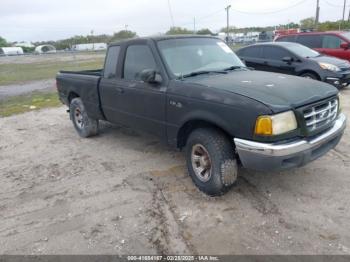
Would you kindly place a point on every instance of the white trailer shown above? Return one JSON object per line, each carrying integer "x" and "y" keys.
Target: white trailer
{"x": 11, "y": 51}
{"x": 90, "y": 47}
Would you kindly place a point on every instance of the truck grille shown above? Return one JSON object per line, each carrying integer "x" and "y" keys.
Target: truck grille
{"x": 320, "y": 115}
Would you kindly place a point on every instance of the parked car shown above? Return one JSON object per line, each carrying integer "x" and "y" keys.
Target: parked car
{"x": 296, "y": 59}
{"x": 334, "y": 43}
{"x": 195, "y": 94}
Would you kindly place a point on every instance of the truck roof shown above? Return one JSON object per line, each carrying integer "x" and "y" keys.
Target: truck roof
{"x": 162, "y": 37}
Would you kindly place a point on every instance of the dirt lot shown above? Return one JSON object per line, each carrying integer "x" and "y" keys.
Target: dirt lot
{"x": 124, "y": 193}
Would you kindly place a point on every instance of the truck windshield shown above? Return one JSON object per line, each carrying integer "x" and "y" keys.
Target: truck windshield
{"x": 185, "y": 56}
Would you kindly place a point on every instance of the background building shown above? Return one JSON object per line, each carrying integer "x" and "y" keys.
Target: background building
{"x": 11, "y": 51}
{"x": 90, "y": 47}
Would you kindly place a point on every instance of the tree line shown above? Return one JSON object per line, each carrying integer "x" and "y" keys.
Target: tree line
{"x": 64, "y": 44}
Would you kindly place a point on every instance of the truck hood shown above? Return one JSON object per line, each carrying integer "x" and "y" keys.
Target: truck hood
{"x": 278, "y": 91}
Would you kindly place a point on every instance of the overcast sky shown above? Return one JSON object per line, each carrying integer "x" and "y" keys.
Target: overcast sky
{"x": 34, "y": 20}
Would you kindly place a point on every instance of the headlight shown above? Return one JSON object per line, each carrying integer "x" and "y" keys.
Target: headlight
{"x": 276, "y": 124}
{"x": 329, "y": 67}
{"x": 340, "y": 102}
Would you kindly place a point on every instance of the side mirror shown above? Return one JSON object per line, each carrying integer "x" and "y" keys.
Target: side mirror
{"x": 344, "y": 46}
{"x": 287, "y": 59}
{"x": 150, "y": 76}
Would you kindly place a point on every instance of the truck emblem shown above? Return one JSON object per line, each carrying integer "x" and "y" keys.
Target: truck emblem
{"x": 324, "y": 114}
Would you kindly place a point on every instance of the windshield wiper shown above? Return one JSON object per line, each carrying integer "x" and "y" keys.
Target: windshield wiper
{"x": 202, "y": 72}
{"x": 232, "y": 68}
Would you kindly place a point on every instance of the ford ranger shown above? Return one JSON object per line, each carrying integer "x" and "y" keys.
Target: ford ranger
{"x": 195, "y": 94}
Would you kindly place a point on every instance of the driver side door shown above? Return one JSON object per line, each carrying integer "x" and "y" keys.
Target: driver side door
{"x": 138, "y": 104}
{"x": 273, "y": 60}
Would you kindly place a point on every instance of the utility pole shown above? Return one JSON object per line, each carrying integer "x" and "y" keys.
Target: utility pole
{"x": 194, "y": 25}
{"x": 92, "y": 35}
{"x": 340, "y": 24}
{"x": 317, "y": 14}
{"x": 228, "y": 22}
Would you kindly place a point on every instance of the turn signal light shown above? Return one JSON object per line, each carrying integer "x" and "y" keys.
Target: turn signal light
{"x": 263, "y": 126}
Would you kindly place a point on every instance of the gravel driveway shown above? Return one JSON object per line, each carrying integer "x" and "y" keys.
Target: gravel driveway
{"x": 124, "y": 193}
{"x": 26, "y": 88}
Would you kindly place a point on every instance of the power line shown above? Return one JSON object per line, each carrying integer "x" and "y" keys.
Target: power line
{"x": 334, "y": 5}
{"x": 270, "y": 12}
{"x": 210, "y": 15}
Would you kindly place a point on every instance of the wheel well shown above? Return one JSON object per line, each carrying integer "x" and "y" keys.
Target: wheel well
{"x": 71, "y": 96}
{"x": 189, "y": 126}
{"x": 310, "y": 72}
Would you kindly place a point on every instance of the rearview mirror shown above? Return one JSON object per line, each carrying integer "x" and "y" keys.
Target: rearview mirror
{"x": 344, "y": 45}
{"x": 287, "y": 59}
{"x": 150, "y": 76}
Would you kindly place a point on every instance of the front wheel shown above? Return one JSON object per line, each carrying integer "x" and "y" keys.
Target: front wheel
{"x": 211, "y": 161}
{"x": 83, "y": 124}
{"x": 309, "y": 75}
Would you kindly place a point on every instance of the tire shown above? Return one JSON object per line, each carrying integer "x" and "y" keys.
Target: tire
{"x": 83, "y": 124}
{"x": 223, "y": 170}
{"x": 310, "y": 75}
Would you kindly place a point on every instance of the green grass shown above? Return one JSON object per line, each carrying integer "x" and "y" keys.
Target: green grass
{"x": 19, "y": 73}
{"x": 236, "y": 47}
{"x": 26, "y": 103}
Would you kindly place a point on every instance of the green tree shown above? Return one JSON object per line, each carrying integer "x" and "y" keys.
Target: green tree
{"x": 3, "y": 42}
{"x": 178, "y": 31}
{"x": 334, "y": 25}
{"x": 204, "y": 31}
{"x": 307, "y": 23}
{"x": 123, "y": 34}
{"x": 28, "y": 49}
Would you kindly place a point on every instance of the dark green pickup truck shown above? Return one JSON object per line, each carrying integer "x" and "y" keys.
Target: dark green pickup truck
{"x": 195, "y": 93}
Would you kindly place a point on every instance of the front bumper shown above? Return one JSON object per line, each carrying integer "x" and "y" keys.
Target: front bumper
{"x": 279, "y": 156}
{"x": 339, "y": 80}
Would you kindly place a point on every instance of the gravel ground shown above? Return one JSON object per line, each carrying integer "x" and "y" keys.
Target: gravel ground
{"x": 124, "y": 193}
{"x": 26, "y": 88}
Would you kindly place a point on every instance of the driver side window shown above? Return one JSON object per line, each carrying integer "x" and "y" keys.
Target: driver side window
{"x": 137, "y": 59}
{"x": 275, "y": 53}
{"x": 330, "y": 41}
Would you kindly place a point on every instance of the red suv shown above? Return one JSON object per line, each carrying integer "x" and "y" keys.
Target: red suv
{"x": 336, "y": 43}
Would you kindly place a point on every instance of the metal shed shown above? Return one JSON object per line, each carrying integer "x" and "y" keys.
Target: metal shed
{"x": 11, "y": 51}
{"x": 45, "y": 49}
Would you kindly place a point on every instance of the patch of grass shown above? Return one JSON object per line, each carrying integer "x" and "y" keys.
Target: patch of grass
{"x": 236, "y": 47}
{"x": 26, "y": 103}
{"x": 18, "y": 73}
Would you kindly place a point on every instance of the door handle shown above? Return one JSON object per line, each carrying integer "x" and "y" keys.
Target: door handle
{"x": 120, "y": 90}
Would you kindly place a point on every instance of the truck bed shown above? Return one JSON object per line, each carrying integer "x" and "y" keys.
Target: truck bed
{"x": 97, "y": 72}
{"x": 83, "y": 84}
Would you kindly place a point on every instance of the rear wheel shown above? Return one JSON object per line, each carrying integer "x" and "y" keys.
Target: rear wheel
{"x": 210, "y": 161}
{"x": 83, "y": 124}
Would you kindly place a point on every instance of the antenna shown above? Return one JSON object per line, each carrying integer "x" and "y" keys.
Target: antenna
{"x": 171, "y": 14}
